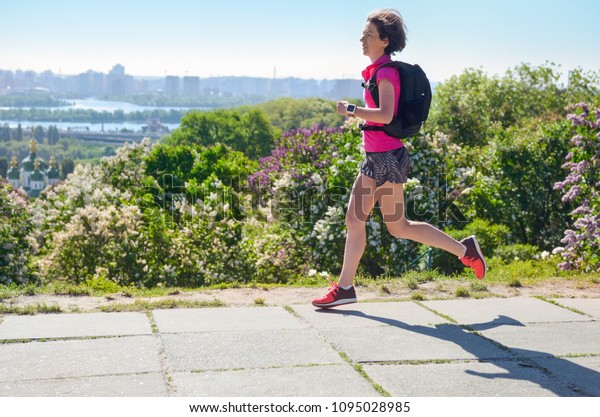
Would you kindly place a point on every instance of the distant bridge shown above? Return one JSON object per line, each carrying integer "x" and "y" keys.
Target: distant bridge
{"x": 108, "y": 137}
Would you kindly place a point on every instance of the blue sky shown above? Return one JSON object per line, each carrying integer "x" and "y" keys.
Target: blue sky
{"x": 301, "y": 38}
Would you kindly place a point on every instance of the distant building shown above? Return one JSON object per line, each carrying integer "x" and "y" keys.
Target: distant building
{"x": 172, "y": 85}
{"x": 117, "y": 83}
{"x": 35, "y": 175}
{"x": 346, "y": 89}
{"x": 191, "y": 86}
{"x": 90, "y": 83}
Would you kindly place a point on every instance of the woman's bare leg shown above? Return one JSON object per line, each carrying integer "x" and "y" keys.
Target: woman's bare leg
{"x": 362, "y": 201}
{"x": 391, "y": 202}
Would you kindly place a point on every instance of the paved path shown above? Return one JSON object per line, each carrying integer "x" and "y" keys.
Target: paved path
{"x": 489, "y": 347}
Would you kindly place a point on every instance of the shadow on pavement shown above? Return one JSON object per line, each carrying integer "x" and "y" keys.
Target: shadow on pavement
{"x": 566, "y": 375}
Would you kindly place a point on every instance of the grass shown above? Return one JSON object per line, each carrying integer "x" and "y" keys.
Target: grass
{"x": 517, "y": 274}
{"x": 478, "y": 286}
{"x": 417, "y": 296}
{"x": 462, "y": 292}
{"x": 358, "y": 368}
{"x": 412, "y": 283}
{"x": 30, "y": 309}
{"x": 144, "y": 305}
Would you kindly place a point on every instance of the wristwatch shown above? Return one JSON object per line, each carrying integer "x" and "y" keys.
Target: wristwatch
{"x": 350, "y": 109}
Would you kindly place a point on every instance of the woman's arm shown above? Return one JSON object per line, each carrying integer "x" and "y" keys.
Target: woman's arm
{"x": 384, "y": 114}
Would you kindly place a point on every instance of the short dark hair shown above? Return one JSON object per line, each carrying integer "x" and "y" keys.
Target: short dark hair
{"x": 391, "y": 26}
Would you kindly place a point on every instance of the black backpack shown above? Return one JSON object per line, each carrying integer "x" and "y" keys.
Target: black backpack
{"x": 413, "y": 104}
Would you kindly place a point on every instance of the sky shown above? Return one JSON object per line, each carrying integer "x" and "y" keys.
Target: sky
{"x": 316, "y": 39}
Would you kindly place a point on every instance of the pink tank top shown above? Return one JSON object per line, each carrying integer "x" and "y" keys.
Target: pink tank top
{"x": 378, "y": 141}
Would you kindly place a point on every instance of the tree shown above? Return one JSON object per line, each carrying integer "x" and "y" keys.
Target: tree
{"x": 3, "y": 167}
{"x": 246, "y": 130}
{"x": 19, "y": 133}
{"x": 53, "y": 135}
{"x": 5, "y": 133}
{"x": 38, "y": 134}
{"x": 472, "y": 106}
{"x": 191, "y": 170}
{"x": 67, "y": 167}
{"x": 513, "y": 183}
{"x": 287, "y": 113}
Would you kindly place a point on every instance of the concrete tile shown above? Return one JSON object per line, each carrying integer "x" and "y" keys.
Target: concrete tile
{"x": 247, "y": 349}
{"x": 465, "y": 379}
{"x": 135, "y": 385}
{"x": 368, "y": 315}
{"x": 78, "y": 358}
{"x": 380, "y": 344}
{"x": 589, "y": 306}
{"x": 580, "y": 373}
{"x": 313, "y": 381}
{"x": 547, "y": 339}
{"x": 43, "y": 326}
{"x": 516, "y": 311}
{"x": 225, "y": 319}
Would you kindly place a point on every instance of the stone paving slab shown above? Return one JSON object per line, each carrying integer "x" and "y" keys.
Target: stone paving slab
{"x": 247, "y": 349}
{"x": 79, "y": 358}
{"x": 583, "y": 372}
{"x": 516, "y": 311}
{"x": 136, "y": 385}
{"x": 589, "y": 306}
{"x": 466, "y": 379}
{"x": 312, "y": 381}
{"x": 546, "y": 339}
{"x": 268, "y": 351}
{"x": 388, "y": 344}
{"x": 225, "y": 319}
{"x": 368, "y": 315}
{"x": 74, "y": 325}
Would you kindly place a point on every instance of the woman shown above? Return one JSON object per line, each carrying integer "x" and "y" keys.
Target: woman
{"x": 385, "y": 167}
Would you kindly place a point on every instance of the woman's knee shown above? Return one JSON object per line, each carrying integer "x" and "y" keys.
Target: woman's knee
{"x": 399, "y": 228}
{"x": 354, "y": 221}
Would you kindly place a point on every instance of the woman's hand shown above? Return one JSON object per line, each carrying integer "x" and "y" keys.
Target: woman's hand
{"x": 341, "y": 108}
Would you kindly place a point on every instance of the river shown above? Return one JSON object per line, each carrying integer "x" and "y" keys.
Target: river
{"x": 96, "y": 105}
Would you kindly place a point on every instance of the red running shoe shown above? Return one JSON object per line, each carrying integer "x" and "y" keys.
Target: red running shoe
{"x": 473, "y": 257}
{"x": 335, "y": 297}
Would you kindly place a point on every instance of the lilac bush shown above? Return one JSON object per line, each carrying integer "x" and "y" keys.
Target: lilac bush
{"x": 305, "y": 187}
{"x": 89, "y": 226}
{"x": 102, "y": 224}
{"x": 16, "y": 245}
{"x": 581, "y": 187}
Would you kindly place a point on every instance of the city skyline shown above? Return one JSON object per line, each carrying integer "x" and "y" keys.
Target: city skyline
{"x": 117, "y": 82}
{"x": 312, "y": 39}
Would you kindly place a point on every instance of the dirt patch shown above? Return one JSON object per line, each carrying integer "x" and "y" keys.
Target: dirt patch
{"x": 281, "y": 296}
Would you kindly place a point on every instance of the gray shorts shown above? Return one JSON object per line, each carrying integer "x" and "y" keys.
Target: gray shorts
{"x": 392, "y": 166}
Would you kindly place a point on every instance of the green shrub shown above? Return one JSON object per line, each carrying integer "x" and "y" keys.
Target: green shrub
{"x": 16, "y": 243}
{"x": 516, "y": 252}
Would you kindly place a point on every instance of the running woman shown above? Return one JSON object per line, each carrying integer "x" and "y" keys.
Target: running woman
{"x": 385, "y": 167}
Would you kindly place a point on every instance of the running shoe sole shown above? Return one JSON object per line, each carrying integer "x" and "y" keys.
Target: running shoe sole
{"x": 336, "y": 303}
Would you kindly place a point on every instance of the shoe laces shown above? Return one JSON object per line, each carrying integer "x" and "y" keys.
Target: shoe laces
{"x": 333, "y": 286}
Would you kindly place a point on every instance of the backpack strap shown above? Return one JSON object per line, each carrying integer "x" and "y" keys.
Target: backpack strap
{"x": 372, "y": 84}
{"x": 374, "y": 89}
{"x": 363, "y": 126}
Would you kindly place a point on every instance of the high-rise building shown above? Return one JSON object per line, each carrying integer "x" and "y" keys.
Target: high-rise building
{"x": 90, "y": 83}
{"x": 116, "y": 81}
{"x": 172, "y": 85}
{"x": 191, "y": 86}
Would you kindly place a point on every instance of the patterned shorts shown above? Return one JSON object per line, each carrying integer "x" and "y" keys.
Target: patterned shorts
{"x": 392, "y": 166}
